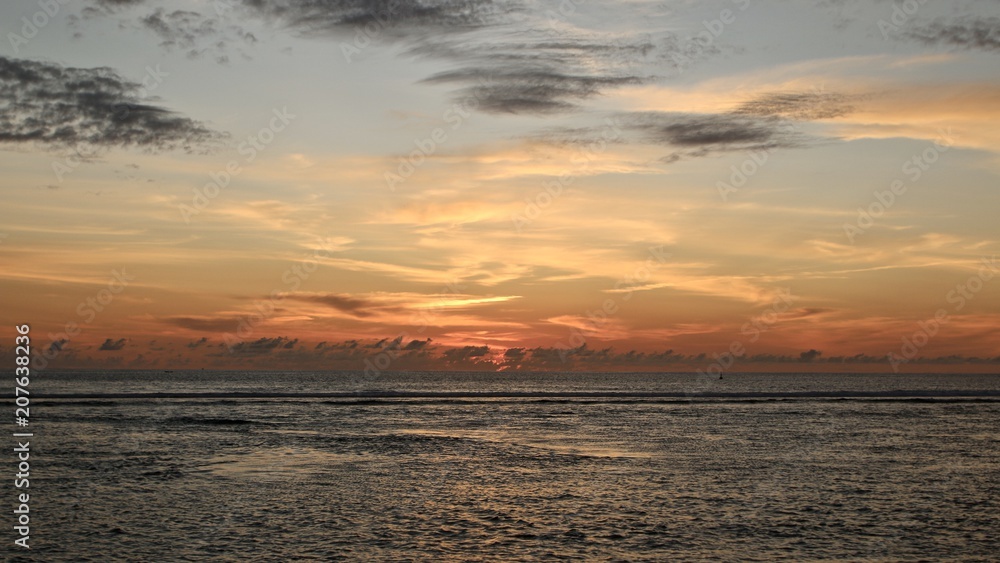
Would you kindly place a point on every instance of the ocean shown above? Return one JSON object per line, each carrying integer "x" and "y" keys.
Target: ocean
{"x": 273, "y": 466}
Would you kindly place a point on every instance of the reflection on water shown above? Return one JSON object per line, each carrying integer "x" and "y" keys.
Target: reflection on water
{"x": 568, "y": 444}
{"x": 275, "y": 463}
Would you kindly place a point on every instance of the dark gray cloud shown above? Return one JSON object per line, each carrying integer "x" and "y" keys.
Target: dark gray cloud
{"x": 465, "y": 353}
{"x": 313, "y": 17}
{"x": 809, "y": 355}
{"x": 513, "y": 354}
{"x": 691, "y": 134}
{"x": 177, "y": 28}
{"x": 968, "y": 33}
{"x": 352, "y": 305}
{"x": 263, "y": 346}
{"x": 282, "y": 352}
{"x": 539, "y": 67}
{"x": 111, "y": 5}
{"x": 345, "y": 345}
{"x": 417, "y": 344}
{"x": 532, "y": 72}
{"x": 768, "y": 122}
{"x": 58, "y": 106}
{"x": 194, "y": 33}
{"x": 716, "y": 131}
{"x": 375, "y": 19}
{"x": 112, "y": 345}
{"x": 526, "y": 89}
{"x": 540, "y": 71}
{"x": 542, "y": 47}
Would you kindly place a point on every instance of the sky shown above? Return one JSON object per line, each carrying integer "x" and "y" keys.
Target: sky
{"x": 722, "y": 185}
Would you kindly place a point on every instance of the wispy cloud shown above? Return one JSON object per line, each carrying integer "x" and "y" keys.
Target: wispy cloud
{"x": 694, "y": 134}
{"x": 718, "y": 132}
{"x": 194, "y": 33}
{"x": 549, "y": 65}
{"x": 806, "y": 106}
{"x": 966, "y": 33}
{"x": 539, "y": 72}
{"x": 204, "y": 323}
{"x": 516, "y": 88}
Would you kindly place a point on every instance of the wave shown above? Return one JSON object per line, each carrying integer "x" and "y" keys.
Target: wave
{"x": 929, "y": 394}
{"x": 213, "y": 421}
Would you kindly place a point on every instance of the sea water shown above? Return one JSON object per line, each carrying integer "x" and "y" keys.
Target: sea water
{"x": 254, "y": 466}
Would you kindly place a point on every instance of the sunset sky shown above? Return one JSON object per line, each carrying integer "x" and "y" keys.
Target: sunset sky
{"x": 476, "y": 184}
